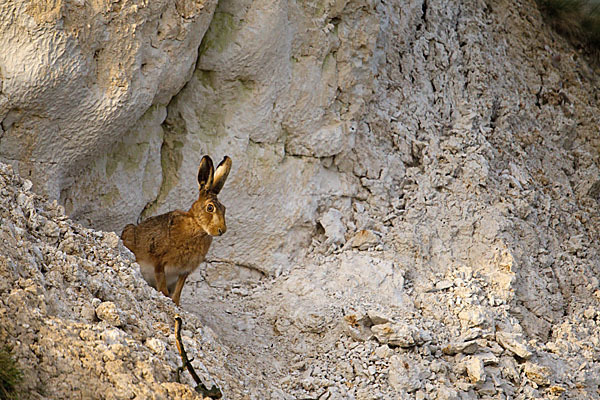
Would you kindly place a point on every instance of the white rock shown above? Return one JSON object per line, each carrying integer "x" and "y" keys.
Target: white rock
{"x": 442, "y": 285}
{"x": 404, "y": 376}
{"x": 402, "y": 335}
{"x": 589, "y": 313}
{"x": 510, "y": 368}
{"x": 377, "y": 318}
{"x": 335, "y": 229}
{"x": 356, "y": 328}
{"x": 111, "y": 240}
{"x": 488, "y": 358}
{"x": 472, "y": 317}
{"x": 87, "y": 104}
{"x": 487, "y": 389}
{"x": 447, "y": 393}
{"x": 514, "y": 343}
{"x": 383, "y": 351}
{"x": 113, "y": 336}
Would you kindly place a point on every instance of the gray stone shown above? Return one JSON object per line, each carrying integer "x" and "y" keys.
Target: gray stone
{"x": 403, "y": 376}
{"x": 335, "y": 229}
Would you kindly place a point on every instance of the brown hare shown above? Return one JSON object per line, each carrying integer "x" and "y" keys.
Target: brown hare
{"x": 171, "y": 246}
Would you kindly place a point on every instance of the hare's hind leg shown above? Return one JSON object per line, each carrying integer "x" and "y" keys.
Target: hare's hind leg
{"x": 161, "y": 281}
{"x": 179, "y": 287}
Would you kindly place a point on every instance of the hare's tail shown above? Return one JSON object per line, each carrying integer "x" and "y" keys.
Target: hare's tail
{"x": 128, "y": 236}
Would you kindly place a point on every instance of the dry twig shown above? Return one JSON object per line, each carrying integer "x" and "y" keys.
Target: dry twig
{"x": 214, "y": 392}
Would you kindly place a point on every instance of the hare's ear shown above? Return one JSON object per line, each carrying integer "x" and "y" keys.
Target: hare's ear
{"x": 221, "y": 174}
{"x": 205, "y": 173}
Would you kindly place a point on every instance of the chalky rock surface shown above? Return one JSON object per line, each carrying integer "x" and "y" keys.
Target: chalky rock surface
{"x": 80, "y": 319}
{"x": 348, "y": 324}
{"x": 413, "y": 210}
{"x": 76, "y": 75}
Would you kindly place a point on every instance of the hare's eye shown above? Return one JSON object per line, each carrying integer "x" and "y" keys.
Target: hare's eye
{"x": 210, "y": 208}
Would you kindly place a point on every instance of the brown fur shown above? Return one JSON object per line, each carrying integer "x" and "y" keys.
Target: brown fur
{"x": 173, "y": 245}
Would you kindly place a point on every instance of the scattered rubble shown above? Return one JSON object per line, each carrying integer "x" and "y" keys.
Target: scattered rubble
{"x": 78, "y": 316}
{"x": 457, "y": 257}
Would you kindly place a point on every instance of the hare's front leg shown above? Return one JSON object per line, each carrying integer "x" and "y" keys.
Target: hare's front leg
{"x": 177, "y": 292}
{"x": 161, "y": 281}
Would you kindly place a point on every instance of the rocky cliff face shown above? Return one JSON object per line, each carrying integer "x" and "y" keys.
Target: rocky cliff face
{"x": 412, "y": 208}
{"x": 76, "y": 76}
{"x": 78, "y": 315}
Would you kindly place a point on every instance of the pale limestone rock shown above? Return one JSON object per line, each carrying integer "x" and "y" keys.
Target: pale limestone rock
{"x": 510, "y": 368}
{"x": 377, "y": 318}
{"x": 325, "y": 142}
{"x": 539, "y": 374}
{"x": 107, "y": 311}
{"x": 50, "y": 228}
{"x": 108, "y": 65}
{"x": 483, "y": 175}
{"x": 268, "y": 103}
{"x": 589, "y": 313}
{"x": 397, "y": 335}
{"x": 283, "y": 99}
{"x": 124, "y": 180}
{"x": 384, "y": 351}
{"x": 364, "y": 239}
{"x": 69, "y": 245}
{"x": 487, "y": 389}
{"x": 404, "y": 376}
{"x": 488, "y": 358}
{"x": 472, "y": 317}
{"x": 335, "y": 229}
{"x": 359, "y": 274}
{"x": 356, "y": 328}
{"x": 111, "y": 240}
{"x": 88, "y": 313}
{"x": 556, "y": 390}
{"x": 514, "y": 343}
{"x": 157, "y": 346}
{"x": 475, "y": 370}
{"x": 443, "y": 285}
{"x": 113, "y": 336}
{"x": 53, "y": 312}
{"x": 447, "y": 393}
{"x": 311, "y": 320}
{"x": 468, "y": 347}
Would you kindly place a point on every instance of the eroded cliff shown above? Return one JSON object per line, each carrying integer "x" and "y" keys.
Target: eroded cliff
{"x": 412, "y": 209}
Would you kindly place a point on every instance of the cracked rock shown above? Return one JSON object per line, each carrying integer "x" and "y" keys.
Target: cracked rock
{"x": 398, "y": 334}
{"x": 513, "y": 343}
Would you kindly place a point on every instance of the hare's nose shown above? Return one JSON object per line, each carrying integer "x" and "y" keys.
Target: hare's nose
{"x": 221, "y": 231}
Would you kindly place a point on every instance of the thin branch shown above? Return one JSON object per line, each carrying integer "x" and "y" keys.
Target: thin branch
{"x": 214, "y": 392}
{"x": 251, "y": 266}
